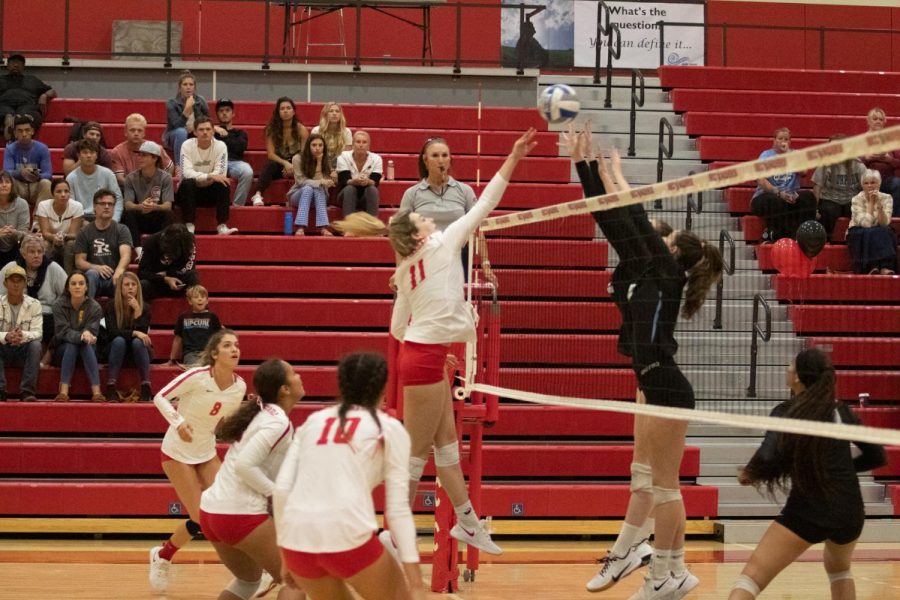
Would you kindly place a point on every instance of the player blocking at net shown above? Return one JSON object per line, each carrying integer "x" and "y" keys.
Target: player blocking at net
{"x": 429, "y": 314}
{"x": 647, "y": 287}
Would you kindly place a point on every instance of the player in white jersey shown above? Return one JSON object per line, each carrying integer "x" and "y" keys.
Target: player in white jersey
{"x": 430, "y": 313}
{"x": 234, "y": 512}
{"x": 324, "y": 513}
{"x": 206, "y": 395}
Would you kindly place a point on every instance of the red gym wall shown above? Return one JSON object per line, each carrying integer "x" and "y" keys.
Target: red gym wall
{"x": 238, "y": 27}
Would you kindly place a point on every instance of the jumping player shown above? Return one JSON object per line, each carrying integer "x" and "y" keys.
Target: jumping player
{"x": 647, "y": 287}
{"x": 429, "y": 314}
{"x": 234, "y": 510}
{"x": 824, "y": 502}
{"x": 324, "y": 513}
{"x": 206, "y": 395}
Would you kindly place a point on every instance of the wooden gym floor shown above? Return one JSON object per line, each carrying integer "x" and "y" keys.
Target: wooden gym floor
{"x": 105, "y": 569}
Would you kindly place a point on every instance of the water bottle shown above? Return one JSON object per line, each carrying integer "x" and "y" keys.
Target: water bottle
{"x": 288, "y": 223}
{"x": 390, "y": 170}
{"x": 863, "y": 399}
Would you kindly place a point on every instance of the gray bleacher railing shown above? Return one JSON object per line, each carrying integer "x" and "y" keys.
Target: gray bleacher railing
{"x": 610, "y": 30}
{"x": 693, "y": 205}
{"x": 757, "y": 334}
{"x": 725, "y": 236}
{"x": 636, "y": 102}
{"x": 664, "y": 150}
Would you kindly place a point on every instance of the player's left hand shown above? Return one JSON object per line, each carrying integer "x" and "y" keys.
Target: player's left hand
{"x": 524, "y": 144}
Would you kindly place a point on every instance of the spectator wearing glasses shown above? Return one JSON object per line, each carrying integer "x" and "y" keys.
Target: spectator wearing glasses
{"x": 103, "y": 248}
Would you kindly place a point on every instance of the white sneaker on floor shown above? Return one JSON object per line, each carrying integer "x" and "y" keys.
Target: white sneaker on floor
{"x": 266, "y": 585}
{"x": 159, "y": 570}
{"x": 670, "y": 588}
{"x": 645, "y": 551}
{"x": 388, "y": 542}
{"x": 224, "y": 229}
{"x": 478, "y": 537}
{"x": 616, "y": 568}
{"x": 257, "y": 199}
{"x": 190, "y": 227}
{"x": 683, "y": 584}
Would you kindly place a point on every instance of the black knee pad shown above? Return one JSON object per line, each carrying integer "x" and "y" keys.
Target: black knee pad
{"x": 193, "y": 528}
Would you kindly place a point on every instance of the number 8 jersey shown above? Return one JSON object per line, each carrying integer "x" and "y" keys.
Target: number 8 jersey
{"x": 431, "y": 307}
{"x": 201, "y": 404}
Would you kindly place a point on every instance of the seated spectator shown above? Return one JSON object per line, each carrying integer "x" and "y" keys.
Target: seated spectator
{"x": 888, "y": 163}
{"x": 60, "y": 219}
{"x": 91, "y": 130}
{"x": 285, "y": 137}
{"x": 21, "y": 324}
{"x": 126, "y": 156}
{"x": 333, "y": 128}
{"x": 871, "y": 241}
{"x": 45, "y": 279}
{"x": 236, "y": 141}
{"x": 149, "y": 196}
{"x": 103, "y": 248}
{"x": 127, "y": 321}
{"x": 193, "y": 329}
{"x": 28, "y": 160}
{"x": 14, "y": 219}
{"x": 834, "y": 187}
{"x": 90, "y": 177}
{"x": 204, "y": 164}
{"x": 76, "y": 323}
{"x": 359, "y": 174}
{"x": 438, "y": 195}
{"x": 779, "y": 199}
{"x": 167, "y": 266}
{"x": 311, "y": 183}
{"x": 182, "y": 113}
{"x": 22, "y": 94}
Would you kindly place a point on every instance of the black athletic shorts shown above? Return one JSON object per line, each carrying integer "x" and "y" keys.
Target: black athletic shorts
{"x": 840, "y": 533}
{"x": 663, "y": 384}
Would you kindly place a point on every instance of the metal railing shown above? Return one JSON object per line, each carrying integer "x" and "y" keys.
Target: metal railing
{"x": 757, "y": 334}
{"x": 610, "y": 30}
{"x": 663, "y": 150}
{"x": 636, "y": 102}
{"x": 725, "y": 236}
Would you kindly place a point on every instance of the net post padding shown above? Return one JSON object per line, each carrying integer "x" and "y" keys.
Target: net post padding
{"x": 798, "y": 160}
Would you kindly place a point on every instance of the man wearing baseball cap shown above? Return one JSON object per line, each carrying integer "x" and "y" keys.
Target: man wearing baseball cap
{"x": 149, "y": 195}
{"x": 21, "y": 323}
{"x": 236, "y": 141}
{"x": 22, "y": 94}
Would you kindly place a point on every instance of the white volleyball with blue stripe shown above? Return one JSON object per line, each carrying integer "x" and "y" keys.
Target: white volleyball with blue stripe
{"x": 558, "y": 103}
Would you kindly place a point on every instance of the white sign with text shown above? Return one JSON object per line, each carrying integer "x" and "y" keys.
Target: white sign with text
{"x": 637, "y": 22}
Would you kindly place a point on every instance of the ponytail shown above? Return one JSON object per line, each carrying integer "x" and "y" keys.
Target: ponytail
{"x": 267, "y": 381}
{"x": 704, "y": 268}
{"x": 361, "y": 379}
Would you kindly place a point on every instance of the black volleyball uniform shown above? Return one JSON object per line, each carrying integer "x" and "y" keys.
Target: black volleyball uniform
{"x": 837, "y": 515}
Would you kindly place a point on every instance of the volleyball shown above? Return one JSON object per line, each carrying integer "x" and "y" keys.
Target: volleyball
{"x": 558, "y": 103}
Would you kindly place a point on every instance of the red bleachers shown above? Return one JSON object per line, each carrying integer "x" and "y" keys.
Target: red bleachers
{"x": 839, "y": 288}
{"x": 892, "y": 468}
{"x": 801, "y": 80}
{"x": 787, "y": 102}
{"x": 743, "y": 148}
{"x": 879, "y": 416}
{"x": 834, "y": 257}
{"x": 862, "y": 351}
{"x": 764, "y": 125}
{"x": 846, "y": 319}
{"x": 753, "y": 226}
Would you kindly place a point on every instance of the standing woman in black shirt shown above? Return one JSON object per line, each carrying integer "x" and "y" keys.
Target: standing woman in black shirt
{"x": 824, "y": 503}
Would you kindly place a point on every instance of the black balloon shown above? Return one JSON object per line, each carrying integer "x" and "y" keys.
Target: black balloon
{"x": 811, "y": 238}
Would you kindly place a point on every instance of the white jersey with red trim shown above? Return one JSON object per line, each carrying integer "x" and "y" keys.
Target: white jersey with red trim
{"x": 323, "y": 494}
{"x": 201, "y": 404}
{"x": 247, "y": 477}
{"x": 431, "y": 307}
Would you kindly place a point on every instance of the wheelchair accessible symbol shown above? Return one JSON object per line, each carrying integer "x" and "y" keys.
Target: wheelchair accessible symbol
{"x": 518, "y": 509}
{"x": 174, "y": 508}
{"x": 428, "y": 499}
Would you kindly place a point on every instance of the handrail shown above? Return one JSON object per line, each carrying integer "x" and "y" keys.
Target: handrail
{"x": 724, "y": 236}
{"x": 757, "y": 332}
{"x": 635, "y": 102}
{"x": 663, "y": 150}
{"x": 602, "y": 9}
{"x": 610, "y": 53}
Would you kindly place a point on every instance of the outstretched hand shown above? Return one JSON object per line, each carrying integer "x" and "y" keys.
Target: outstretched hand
{"x": 572, "y": 142}
{"x": 524, "y": 144}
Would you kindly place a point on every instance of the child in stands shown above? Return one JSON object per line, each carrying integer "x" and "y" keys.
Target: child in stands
{"x": 193, "y": 329}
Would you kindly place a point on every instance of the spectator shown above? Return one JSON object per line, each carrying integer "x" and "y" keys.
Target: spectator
{"x": 167, "y": 267}
{"x": 193, "y": 329}
{"x": 834, "y": 187}
{"x": 779, "y": 199}
{"x": 127, "y": 155}
{"x": 14, "y": 219}
{"x": 285, "y": 137}
{"x": 76, "y": 323}
{"x": 29, "y": 162}
{"x": 127, "y": 321}
{"x": 90, "y": 177}
{"x": 236, "y": 141}
{"x": 22, "y": 94}
{"x": 438, "y": 195}
{"x": 872, "y": 243}
{"x": 311, "y": 183}
{"x": 888, "y": 163}
{"x": 103, "y": 248}
{"x": 91, "y": 130}
{"x": 149, "y": 196}
{"x": 182, "y": 113}
{"x": 333, "y": 128}
{"x": 21, "y": 323}
{"x": 45, "y": 280}
{"x": 359, "y": 174}
{"x": 204, "y": 164}
{"x": 60, "y": 219}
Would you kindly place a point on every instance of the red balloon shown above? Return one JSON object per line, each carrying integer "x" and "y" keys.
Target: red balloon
{"x": 789, "y": 259}
{"x": 781, "y": 252}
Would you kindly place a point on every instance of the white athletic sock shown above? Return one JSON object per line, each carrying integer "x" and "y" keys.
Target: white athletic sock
{"x": 659, "y": 564}
{"x": 628, "y": 536}
{"x": 466, "y": 515}
{"x": 645, "y": 531}
{"x": 676, "y": 561}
